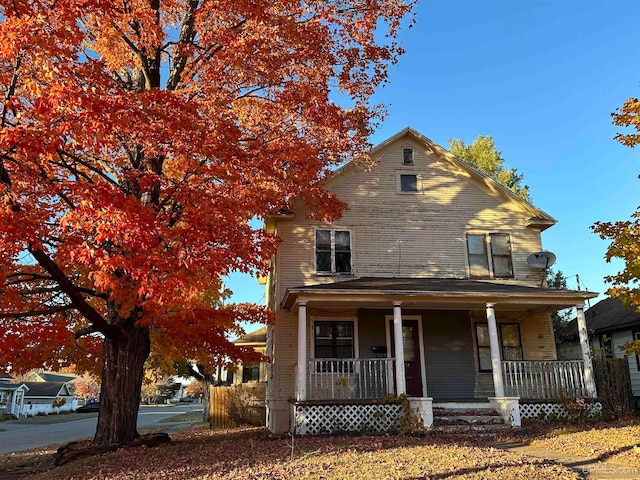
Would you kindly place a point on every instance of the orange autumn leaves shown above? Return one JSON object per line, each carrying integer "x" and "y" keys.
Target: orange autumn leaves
{"x": 138, "y": 140}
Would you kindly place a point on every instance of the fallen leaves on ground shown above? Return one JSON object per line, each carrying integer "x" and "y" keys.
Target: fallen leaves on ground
{"x": 246, "y": 454}
{"x": 617, "y": 444}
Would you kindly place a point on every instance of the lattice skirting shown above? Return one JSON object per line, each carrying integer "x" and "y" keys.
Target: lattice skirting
{"x": 558, "y": 410}
{"x": 318, "y": 419}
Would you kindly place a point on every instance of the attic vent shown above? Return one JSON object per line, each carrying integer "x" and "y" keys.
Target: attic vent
{"x": 407, "y": 156}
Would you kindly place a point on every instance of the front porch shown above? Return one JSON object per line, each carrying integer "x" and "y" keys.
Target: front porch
{"x": 499, "y": 354}
{"x": 359, "y": 395}
{"x": 331, "y": 379}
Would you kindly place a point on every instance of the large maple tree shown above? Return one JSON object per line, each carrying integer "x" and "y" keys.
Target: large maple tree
{"x": 138, "y": 138}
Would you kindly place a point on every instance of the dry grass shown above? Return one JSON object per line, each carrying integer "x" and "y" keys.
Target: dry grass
{"x": 618, "y": 443}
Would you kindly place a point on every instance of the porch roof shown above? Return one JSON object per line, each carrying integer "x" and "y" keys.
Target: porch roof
{"x": 435, "y": 293}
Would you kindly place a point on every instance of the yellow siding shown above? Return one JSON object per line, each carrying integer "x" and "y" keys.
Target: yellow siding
{"x": 410, "y": 235}
{"x": 537, "y": 338}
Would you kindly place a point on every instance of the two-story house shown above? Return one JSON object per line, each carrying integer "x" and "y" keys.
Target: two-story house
{"x": 422, "y": 288}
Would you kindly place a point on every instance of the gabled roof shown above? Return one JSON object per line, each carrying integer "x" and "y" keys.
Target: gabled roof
{"x": 539, "y": 219}
{"x": 257, "y": 337}
{"x": 6, "y": 386}
{"x": 607, "y": 315}
{"x": 46, "y": 389}
{"x": 58, "y": 377}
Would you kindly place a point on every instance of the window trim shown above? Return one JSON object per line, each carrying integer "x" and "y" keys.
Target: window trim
{"x": 404, "y": 158}
{"x": 400, "y": 174}
{"x": 333, "y": 318}
{"x": 499, "y": 328}
{"x": 333, "y": 271}
{"x": 490, "y": 258}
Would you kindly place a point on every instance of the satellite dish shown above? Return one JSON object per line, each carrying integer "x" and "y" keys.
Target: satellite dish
{"x": 542, "y": 260}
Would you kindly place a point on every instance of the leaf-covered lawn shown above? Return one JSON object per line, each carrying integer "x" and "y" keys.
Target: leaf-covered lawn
{"x": 199, "y": 453}
{"x": 619, "y": 444}
{"x": 244, "y": 454}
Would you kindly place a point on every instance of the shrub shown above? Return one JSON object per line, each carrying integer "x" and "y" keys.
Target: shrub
{"x": 244, "y": 406}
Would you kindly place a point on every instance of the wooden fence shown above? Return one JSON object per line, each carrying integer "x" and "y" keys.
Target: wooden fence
{"x": 613, "y": 383}
{"x": 218, "y": 407}
{"x": 238, "y": 404}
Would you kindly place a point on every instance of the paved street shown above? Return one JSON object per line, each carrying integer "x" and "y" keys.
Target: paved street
{"x": 18, "y": 437}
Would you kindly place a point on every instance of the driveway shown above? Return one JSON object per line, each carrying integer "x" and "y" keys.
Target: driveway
{"x": 18, "y": 437}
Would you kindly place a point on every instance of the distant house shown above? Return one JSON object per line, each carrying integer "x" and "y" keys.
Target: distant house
{"x": 254, "y": 372}
{"x": 40, "y": 376}
{"x": 11, "y": 398}
{"x": 610, "y": 325}
{"x": 48, "y": 397}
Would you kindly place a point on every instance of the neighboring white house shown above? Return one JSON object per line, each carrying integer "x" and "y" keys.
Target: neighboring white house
{"x": 11, "y": 398}
{"x": 610, "y": 325}
{"x": 47, "y": 398}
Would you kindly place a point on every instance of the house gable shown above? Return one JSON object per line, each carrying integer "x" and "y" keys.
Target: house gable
{"x": 419, "y": 233}
{"x": 423, "y": 147}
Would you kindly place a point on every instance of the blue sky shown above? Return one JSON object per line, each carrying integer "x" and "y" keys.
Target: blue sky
{"x": 542, "y": 78}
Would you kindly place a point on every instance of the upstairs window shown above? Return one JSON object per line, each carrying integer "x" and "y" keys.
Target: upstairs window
{"x": 477, "y": 251}
{"x": 501, "y": 255}
{"x": 333, "y": 252}
{"x": 408, "y": 183}
{"x": 407, "y": 156}
{"x": 489, "y": 255}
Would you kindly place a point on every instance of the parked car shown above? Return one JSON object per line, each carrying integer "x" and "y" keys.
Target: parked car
{"x": 91, "y": 406}
{"x": 186, "y": 400}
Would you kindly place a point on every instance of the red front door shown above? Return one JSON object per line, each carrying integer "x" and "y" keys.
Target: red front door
{"x": 412, "y": 361}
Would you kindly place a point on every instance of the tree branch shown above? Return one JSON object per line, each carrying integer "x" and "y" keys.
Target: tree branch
{"x": 187, "y": 36}
{"x": 77, "y": 300}
{"x": 38, "y": 313}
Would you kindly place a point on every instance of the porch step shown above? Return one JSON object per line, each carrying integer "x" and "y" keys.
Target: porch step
{"x": 468, "y": 421}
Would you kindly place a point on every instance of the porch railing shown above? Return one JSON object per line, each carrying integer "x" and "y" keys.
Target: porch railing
{"x": 544, "y": 379}
{"x": 350, "y": 378}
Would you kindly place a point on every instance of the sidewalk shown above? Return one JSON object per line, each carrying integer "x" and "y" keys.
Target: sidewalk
{"x": 589, "y": 468}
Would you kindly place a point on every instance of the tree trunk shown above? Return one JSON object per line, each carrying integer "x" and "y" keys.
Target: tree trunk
{"x": 122, "y": 374}
{"x": 207, "y": 382}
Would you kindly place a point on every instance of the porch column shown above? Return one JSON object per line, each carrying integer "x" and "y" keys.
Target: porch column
{"x": 401, "y": 383}
{"x": 589, "y": 380}
{"x": 496, "y": 366}
{"x": 301, "y": 384}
